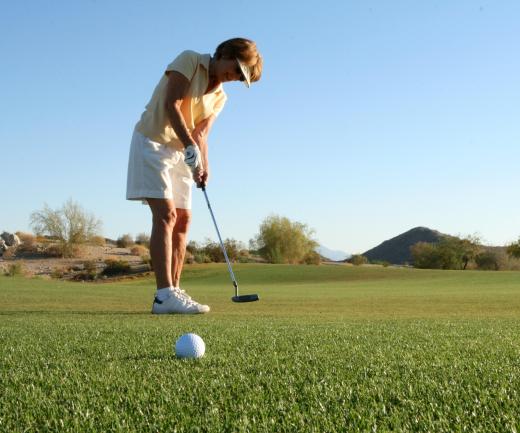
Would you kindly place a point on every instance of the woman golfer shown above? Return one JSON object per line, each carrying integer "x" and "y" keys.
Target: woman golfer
{"x": 169, "y": 152}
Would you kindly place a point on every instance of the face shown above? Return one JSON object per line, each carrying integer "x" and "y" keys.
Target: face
{"x": 228, "y": 70}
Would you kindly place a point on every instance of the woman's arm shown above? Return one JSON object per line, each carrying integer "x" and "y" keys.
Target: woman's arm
{"x": 200, "y": 135}
{"x": 177, "y": 90}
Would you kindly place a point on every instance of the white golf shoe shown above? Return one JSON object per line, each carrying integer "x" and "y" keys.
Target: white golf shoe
{"x": 179, "y": 302}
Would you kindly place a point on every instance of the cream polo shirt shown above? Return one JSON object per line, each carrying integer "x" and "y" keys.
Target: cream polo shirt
{"x": 195, "y": 107}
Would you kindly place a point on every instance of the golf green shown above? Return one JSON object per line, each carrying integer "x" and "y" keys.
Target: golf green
{"x": 328, "y": 348}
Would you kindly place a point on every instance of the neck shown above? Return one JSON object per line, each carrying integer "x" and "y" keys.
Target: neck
{"x": 211, "y": 72}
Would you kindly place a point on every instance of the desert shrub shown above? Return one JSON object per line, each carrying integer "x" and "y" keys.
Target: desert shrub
{"x": 201, "y": 257}
{"x": 312, "y": 258}
{"x": 53, "y": 250}
{"x": 98, "y": 241}
{"x": 147, "y": 260}
{"x": 14, "y": 269}
{"x": 244, "y": 256}
{"x": 115, "y": 267}
{"x": 189, "y": 258}
{"x": 426, "y": 256}
{"x": 10, "y": 253}
{"x": 28, "y": 249}
{"x": 90, "y": 266}
{"x": 143, "y": 239}
{"x": 513, "y": 249}
{"x": 358, "y": 260}
{"x": 281, "y": 240}
{"x": 63, "y": 250}
{"x": 70, "y": 225}
{"x": 139, "y": 250}
{"x": 125, "y": 241}
{"x": 487, "y": 260}
{"x": 89, "y": 272}
{"x": 213, "y": 251}
{"x": 58, "y": 273}
{"x": 193, "y": 247}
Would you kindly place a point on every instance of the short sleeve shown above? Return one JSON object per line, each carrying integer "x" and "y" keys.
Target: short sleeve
{"x": 186, "y": 63}
{"x": 219, "y": 104}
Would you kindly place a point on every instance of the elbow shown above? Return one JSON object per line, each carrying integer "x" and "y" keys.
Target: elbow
{"x": 173, "y": 105}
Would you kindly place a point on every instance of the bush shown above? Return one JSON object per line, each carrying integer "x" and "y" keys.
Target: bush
{"x": 487, "y": 260}
{"x": 189, "y": 258}
{"x": 201, "y": 257}
{"x": 14, "y": 269}
{"x": 139, "y": 250}
{"x": 244, "y": 256}
{"x": 90, "y": 266}
{"x": 70, "y": 225}
{"x": 63, "y": 250}
{"x": 115, "y": 267}
{"x": 143, "y": 239}
{"x": 98, "y": 241}
{"x": 312, "y": 258}
{"x": 213, "y": 251}
{"x": 147, "y": 260}
{"x": 125, "y": 241}
{"x": 53, "y": 250}
{"x": 283, "y": 241}
{"x": 513, "y": 249}
{"x": 193, "y": 247}
{"x": 358, "y": 260}
{"x": 383, "y": 263}
{"x": 58, "y": 273}
{"x": 10, "y": 253}
{"x": 426, "y": 256}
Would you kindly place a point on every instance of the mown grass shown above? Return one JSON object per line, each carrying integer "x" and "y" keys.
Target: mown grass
{"x": 328, "y": 348}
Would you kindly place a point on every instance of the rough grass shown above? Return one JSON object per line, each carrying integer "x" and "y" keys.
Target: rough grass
{"x": 328, "y": 348}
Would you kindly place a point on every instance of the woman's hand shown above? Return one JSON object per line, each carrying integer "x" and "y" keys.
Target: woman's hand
{"x": 201, "y": 177}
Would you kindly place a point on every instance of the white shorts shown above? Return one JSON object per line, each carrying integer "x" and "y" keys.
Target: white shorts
{"x": 157, "y": 171}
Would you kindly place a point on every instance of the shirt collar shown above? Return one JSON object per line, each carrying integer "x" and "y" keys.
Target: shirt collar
{"x": 204, "y": 61}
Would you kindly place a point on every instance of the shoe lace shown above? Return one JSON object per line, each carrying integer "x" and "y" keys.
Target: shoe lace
{"x": 184, "y": 294}
{"x": 186, "y": 299}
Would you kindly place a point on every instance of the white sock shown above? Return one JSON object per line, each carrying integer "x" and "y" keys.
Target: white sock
{"x": 163, "y": 294}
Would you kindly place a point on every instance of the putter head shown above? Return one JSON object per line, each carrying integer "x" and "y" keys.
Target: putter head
{"x": 245, "y": 298}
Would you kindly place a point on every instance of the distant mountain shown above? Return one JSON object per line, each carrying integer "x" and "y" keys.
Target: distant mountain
{"x": 397, "y": 250}
{"x": 334, "y": 255}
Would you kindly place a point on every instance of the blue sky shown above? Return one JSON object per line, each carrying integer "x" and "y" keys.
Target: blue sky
{"x": 372, "y": 117}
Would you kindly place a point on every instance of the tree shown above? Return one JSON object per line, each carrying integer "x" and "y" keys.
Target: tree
{"x": 426, "y": 256}
{"x": 488, "y": 260}
{"x": 513, "y": 249}
{"x": 71, "y": 225}
{"x": 449, "y": 253}
{"x": 282, "y": 241}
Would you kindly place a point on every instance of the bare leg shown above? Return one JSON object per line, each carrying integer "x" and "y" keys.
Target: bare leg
{"x": 163, "y": 222}
{"x": 179, "y": 239}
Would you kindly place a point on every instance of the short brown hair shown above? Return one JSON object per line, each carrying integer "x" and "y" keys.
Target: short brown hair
{"x": 245, "y": 50}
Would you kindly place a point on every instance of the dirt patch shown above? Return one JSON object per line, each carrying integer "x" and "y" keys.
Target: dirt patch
{"x": 36, "y": 265}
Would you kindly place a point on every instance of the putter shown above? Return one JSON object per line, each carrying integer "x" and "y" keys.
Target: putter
{"x": 237, "y": 297}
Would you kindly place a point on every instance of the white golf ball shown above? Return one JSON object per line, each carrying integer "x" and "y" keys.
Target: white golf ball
{"x": 190, "y": 346}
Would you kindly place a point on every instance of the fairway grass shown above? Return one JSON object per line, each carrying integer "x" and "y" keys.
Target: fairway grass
{"x": 328, "y": 348}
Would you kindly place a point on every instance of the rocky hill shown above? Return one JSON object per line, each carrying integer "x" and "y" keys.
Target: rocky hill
{"x": 397, "y": 249}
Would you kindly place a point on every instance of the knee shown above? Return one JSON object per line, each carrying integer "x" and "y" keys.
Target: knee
{"x": 183, "y": 220}
{"x": 165, "y": 218}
